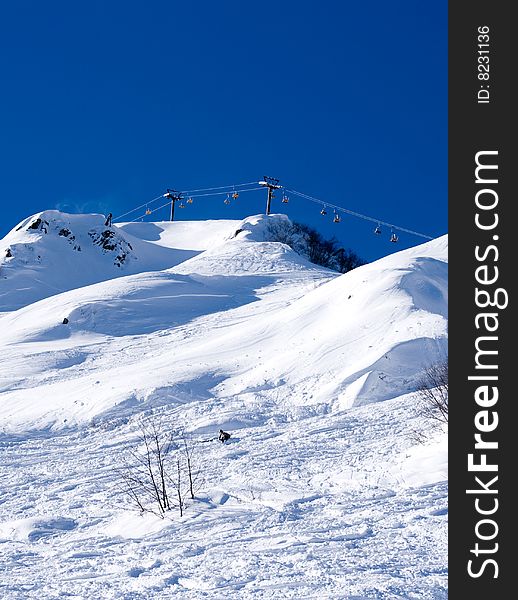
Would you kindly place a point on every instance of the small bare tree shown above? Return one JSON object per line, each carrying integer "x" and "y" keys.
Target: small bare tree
{"x": 177, "y": 482}
{"x": 160, "y": 471}
{"x": 432, "y": 390}
{"x": 193, "y": 473}
{"x": 143, "y": 475}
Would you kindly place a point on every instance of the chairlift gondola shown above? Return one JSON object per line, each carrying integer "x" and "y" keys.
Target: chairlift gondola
{"x": 393, "y": 237}
{"x": 235, "y": 195}
{"x": 227, "y": 199}
{"x": 285, "y": 199}
{"x": 189, "y": 200}
{"x": 323, "y": 211}
{"x": 336, "y": 218}
{"x": 148, "y": 211}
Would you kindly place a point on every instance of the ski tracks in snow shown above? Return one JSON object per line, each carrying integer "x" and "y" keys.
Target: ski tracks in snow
{"x": 288, "y": 510}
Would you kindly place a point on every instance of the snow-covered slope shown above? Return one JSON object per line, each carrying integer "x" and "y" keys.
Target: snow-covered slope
{"x": 52, "y": 252}
{"x": 252, "y": 317}
{"x": 313, "y": 372}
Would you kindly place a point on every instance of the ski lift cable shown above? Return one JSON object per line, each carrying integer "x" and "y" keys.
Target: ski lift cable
{"x": 224, "y": 193}
{"x": 221, "y": 187}
{"x": 215, "y": 191}
{"x": 168, "y": 203}
{"x": 138, "y": 207}
{"x": 151, "y": 212}
{"x": 359, "y": 215}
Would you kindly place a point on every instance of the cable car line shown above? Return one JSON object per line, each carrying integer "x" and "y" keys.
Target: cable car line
{"x": 221, "y": 187}
{"x": 359, "y": 215}
{"x": 138, "y": 207}
{"x": 233, "y": 191}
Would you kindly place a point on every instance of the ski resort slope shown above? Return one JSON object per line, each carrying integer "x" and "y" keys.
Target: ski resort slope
{"x": 322, "y": 491}
{"x": 52, "y": 252}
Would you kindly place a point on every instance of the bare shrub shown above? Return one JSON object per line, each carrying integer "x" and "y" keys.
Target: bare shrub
{"x": 432, "y": 391}
{"x": 159, "y": 472}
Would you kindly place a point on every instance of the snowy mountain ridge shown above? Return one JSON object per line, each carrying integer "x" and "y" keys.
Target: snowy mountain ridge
{"x": 401, "y": 300}
{"x": 210, "y": 325}
{"x": 52, "y": 252}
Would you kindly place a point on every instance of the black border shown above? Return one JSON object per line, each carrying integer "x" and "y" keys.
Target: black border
{"x": 474, "y": 127}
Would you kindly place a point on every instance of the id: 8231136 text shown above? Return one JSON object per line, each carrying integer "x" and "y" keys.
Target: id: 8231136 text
{"x": 483, "y": 64}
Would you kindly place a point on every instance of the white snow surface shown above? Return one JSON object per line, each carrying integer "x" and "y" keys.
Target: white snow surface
{"x": 52, "y": 252}
{"x": 333, "y": 484}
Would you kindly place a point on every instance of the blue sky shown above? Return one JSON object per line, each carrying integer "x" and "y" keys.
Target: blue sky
{"x": 107, "y": 104}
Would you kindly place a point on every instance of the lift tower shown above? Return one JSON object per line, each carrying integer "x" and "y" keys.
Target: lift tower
{"x": 271, "y": 184}
{"x": 174, "y": 196}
